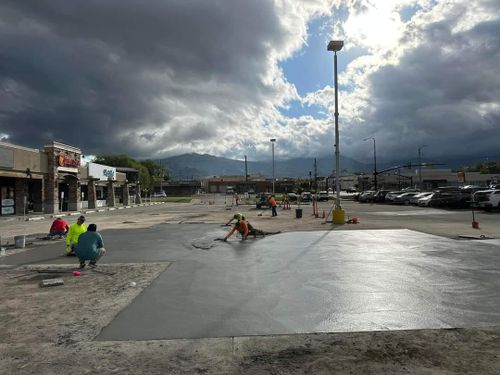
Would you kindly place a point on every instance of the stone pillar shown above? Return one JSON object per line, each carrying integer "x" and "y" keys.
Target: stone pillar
{"x": 20, "y": 191}
{"x": 73, "y": 194}
{"x": 138, "y": 194}
{"x": 125, "y": 194}
{"x": 110, "y": 200}
{"x": 50, "y": 183}
{"x": 38, "y": 195}
{"x": 92, "y": 195}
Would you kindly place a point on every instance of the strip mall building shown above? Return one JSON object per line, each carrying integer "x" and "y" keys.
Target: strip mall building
{"x": 53, "y": 180}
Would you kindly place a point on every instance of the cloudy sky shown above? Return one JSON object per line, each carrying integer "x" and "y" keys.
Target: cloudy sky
{"x": 156, "y": 78}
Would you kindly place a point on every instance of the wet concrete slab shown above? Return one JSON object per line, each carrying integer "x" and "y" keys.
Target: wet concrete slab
{"x": 304, "y": 282}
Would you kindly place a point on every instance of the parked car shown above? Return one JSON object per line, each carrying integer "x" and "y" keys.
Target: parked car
{"x": 404, "y": 198}
{"x": 487, "y": 199}
{"x": 292, "y": 197}
{"x": 366, "y": 196}
{"x": 230, "y": 190}
{"x": 449, "y": 198}
{"x": 389, "y": 197}
{"x": 414, "y": 200}
{"x": 305, "y": 196}
{"x": 322, "y": 196}
{"x": 424, "y": 202}
{"x": 261, "y": 201}
{"x": 159, "y": 195}
{"x": 379, "y": 196}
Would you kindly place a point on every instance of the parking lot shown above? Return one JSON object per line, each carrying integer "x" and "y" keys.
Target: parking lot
{"x": 191, "y": 291}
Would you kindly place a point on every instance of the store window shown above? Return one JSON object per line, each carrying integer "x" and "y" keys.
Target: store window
{"x": 7, "y": 198}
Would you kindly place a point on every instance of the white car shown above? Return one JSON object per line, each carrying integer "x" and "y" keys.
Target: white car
{"x": 404, "y": 198}
{"x": 391, "y": 195}
{"x": 416, "y": 198}
{"x": 487, "y": 199}
{"x": 159, "y": 195}
{"x": 425, "y": 201}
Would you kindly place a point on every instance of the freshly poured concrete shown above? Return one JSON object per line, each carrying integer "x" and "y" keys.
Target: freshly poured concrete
{"x": 299, "y": 282}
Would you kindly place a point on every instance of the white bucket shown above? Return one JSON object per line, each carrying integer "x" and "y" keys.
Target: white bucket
{"x": 20, "y": 241}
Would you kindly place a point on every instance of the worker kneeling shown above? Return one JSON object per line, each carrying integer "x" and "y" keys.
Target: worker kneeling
{"x": 90, "y": 247}
{"x": 244, "y": 228}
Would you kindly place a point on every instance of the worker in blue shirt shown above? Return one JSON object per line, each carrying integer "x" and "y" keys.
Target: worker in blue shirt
{"x": 90, "y": 247}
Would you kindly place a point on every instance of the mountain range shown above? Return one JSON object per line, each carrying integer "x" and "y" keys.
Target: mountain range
{"x": 196, "y": 166}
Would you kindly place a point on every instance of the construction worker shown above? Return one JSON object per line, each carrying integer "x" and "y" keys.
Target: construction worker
{"x": 73, "y": 233}
{"x": 245, "y": 228}
{"x": 236, "y": 217}
{"x": 242, "y": 227}
{"x": 59, "y": 228}
{"x": 90, "y": 247}
{"x": 272, "y": 202}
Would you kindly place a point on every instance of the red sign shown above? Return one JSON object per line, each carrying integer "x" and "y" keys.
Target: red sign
{"x": 68, "y": 159}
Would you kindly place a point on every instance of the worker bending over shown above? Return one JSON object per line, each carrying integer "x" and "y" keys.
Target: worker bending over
{"x": 73, "y": 233}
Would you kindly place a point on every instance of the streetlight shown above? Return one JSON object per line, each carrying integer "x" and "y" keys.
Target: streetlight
{"x": 374, "y": 161}
{"x": 420, "y": 166}
{"x": 272, "y": 143}
{"x": 338, "y": 213}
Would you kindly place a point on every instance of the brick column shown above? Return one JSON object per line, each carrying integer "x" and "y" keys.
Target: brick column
{"x": 126, "y": 194}
{"x": 50, "y": 183}
{"x": 92, "y": 195}
{"x": 74, "y": 194}
{"x": 20, "y": 191}
{"x": 110, "y": 200}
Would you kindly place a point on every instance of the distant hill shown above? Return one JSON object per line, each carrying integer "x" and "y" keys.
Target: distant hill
{"x": 199, "y": 166}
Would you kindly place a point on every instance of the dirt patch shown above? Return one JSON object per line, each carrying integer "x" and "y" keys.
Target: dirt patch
{"x": 460, "y": 351}
{"x": 75, "y": 311}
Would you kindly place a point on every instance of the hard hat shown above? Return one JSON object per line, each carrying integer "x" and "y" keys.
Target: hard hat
{"x": 238, "y": 216}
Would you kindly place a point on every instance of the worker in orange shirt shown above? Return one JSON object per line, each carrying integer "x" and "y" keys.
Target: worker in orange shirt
{"x": 242, "y": 227}
{"x": 272, "y": 202}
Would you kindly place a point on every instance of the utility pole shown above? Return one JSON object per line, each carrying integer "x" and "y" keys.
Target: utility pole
{"x": 420, "y": 166}
{"x": 246, "y": 170}
{"x": 315, "y": 175}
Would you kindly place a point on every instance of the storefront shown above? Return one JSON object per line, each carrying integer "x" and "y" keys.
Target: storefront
{"x": 21, "y": 179}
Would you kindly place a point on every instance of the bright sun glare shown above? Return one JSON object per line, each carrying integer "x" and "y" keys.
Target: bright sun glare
{"x": 376, "y": 28}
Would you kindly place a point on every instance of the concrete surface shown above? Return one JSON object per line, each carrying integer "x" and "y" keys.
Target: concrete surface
{"x": 300, "y": 282}
{"x": 319, "y": 282}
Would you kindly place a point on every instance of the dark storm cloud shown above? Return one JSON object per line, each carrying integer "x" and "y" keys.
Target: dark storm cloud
{"x": 129, "y": 76}
{"x": 445, "y": 93}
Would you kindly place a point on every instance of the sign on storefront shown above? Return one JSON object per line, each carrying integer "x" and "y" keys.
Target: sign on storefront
{"x": 102, "y": 172}
{"x": 67, "y": 159}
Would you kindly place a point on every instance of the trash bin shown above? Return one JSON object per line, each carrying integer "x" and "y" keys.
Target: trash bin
{"x": 298, "y": 213}
{"x": 20, "y": 241}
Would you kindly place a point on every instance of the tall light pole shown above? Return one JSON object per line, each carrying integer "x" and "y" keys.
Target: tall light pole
{"x": 420, "y": 166}
{"x": 338, "y": 215}
{"x": 272, "y": 143}
{"x": 374, "y": 161}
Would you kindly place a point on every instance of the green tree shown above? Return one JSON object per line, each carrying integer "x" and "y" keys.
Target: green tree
{"x": 149, "y": 171}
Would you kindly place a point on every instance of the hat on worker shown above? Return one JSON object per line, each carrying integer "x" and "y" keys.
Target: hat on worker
{"x": 238, "y": 217}
{"x": 82, "y": 218}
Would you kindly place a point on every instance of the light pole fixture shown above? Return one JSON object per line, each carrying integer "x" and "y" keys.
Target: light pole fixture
{"x": 374, "y": 161}
{"x": 338, "y": 215}
{"x": 272, "y": 143}
{"x": 420, "y": 166}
